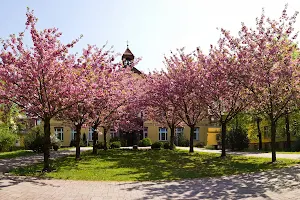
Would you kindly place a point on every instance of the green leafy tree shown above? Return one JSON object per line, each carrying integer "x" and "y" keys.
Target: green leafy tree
{"x": 238, "y": 138}
{"x": 34, "y": 140}
{"x": 7, "y": 138}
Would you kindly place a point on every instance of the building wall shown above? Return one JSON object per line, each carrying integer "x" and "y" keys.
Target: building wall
{"x": 67, "y": 132}
{"x": 206, "y": 132}
{"x": 153, "y": 132}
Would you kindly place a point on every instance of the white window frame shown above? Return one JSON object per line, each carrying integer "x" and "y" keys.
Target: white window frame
{"x": 179, "y": 131}
{"x": 90, "y": 135}
{"x": 196, "y": 133}
{"x": 38, "y": 122}
{"x": 59, "y": 133}
{"x": 113, "y": 133}
{"x": 73, "y": 132}
{"x": 162, "y": 131}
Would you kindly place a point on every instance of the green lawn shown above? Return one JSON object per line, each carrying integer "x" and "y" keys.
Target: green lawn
{"x": 14, "y": 154}
{"x": 128, "y": 165}
{"x": 66, "y": 148}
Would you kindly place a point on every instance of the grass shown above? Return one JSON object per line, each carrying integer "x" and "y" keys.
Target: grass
{"x": 14, "y": 154}
{"x": 128, "y": 165}
{"x": 66, "y": 148}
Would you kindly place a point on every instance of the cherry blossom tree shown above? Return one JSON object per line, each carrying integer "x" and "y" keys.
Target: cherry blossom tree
{"x": 184, "y": 72}
{"x": 267, "y": 67}
{"x": 225, "y": 96}
{"x": 118, "y": 89}
{"x": 39, "y": 79}
{"x": 89, "y": 65}
{"x": 158, "y": 101}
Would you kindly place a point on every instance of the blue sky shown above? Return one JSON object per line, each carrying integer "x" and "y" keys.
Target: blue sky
{"x": 152, "y": 27}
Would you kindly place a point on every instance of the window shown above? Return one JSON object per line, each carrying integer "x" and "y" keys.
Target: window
{"x": 179, "y": 132}
{"x": 38, "y": 122}
{"x": 145, "y": 133}
{"x": 73, "y": 134}
{"x": 163, "y": 134}
{"x": 59, "y": 133}
{"x": 90, "y": 134}
{"x": 266, "y": 132}
{"x": 196, "y": 133}
{"x": 113, "y": 133}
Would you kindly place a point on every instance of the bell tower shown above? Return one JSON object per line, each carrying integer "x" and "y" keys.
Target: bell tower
{"x": 127, "y": 57}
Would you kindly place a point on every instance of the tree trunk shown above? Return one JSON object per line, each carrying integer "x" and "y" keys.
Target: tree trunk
{"x": 288, "y": 133}
{"x": 273, "y": 139}
{"x": 259, "y": 133}
{"x": 78, "y": 134}
{"x": 192, "y": 138}
{"x": 104, "y": 135}
{"x": 172, "y": 137}
{"x": 223, "y": 136}
{"x": 94, "y": 136}
{"x": 47, "y": 143}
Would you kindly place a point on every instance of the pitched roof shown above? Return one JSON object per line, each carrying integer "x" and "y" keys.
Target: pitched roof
{"x": 128, "y": 54}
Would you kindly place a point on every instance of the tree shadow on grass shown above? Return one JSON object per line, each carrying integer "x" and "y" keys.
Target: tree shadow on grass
{"x": 175, "y": 165}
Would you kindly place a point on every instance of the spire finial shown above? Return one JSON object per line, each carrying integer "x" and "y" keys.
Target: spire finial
{"x": 127, "y": 43}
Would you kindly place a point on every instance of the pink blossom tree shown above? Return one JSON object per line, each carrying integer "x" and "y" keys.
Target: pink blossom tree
{"x": 185, "y": 72}
{"x": 267, "y": 67}
{"x": 225, "y": 96}
{"x": 158, "y": 101}
{"x": 89, "y": 66}
{"x": 118, "y": 90}
{"x": 39, "y": 79}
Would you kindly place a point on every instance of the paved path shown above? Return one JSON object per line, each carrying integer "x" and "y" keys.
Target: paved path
{"x": 277, "y": 184}
{"x": 10, "y": 163}
{"x": 254, "y": 154}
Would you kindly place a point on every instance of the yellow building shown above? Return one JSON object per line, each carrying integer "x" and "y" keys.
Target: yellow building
{"x": 265, "y": 129}
{"x": 204, "y": 134}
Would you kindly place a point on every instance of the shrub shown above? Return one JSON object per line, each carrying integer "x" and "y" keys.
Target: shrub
{"x": 100, "y": 145}
{"x": 296, "y": 145}
{"x": 166, "y": 145}
{"x": 81, "y": 143}
{"x": 72, "y": 143}
{"x": 114, "y": 139}
{"x": 210, "y": 147}
{"x": 237, "y": 138}
{"x": 123, "y": 143}
{"x": 145, "y": 142}
{"x": 199, "y": 145}
{"x": 182, "y": 141}
{"x": 156, "y": 145}
{"x": 34, "y": 140}
{"x": 118, "y": 139}
{"x": 55, "y": 142}
{"x": 7, "y": 138}
{"x": 116, "y": 144}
